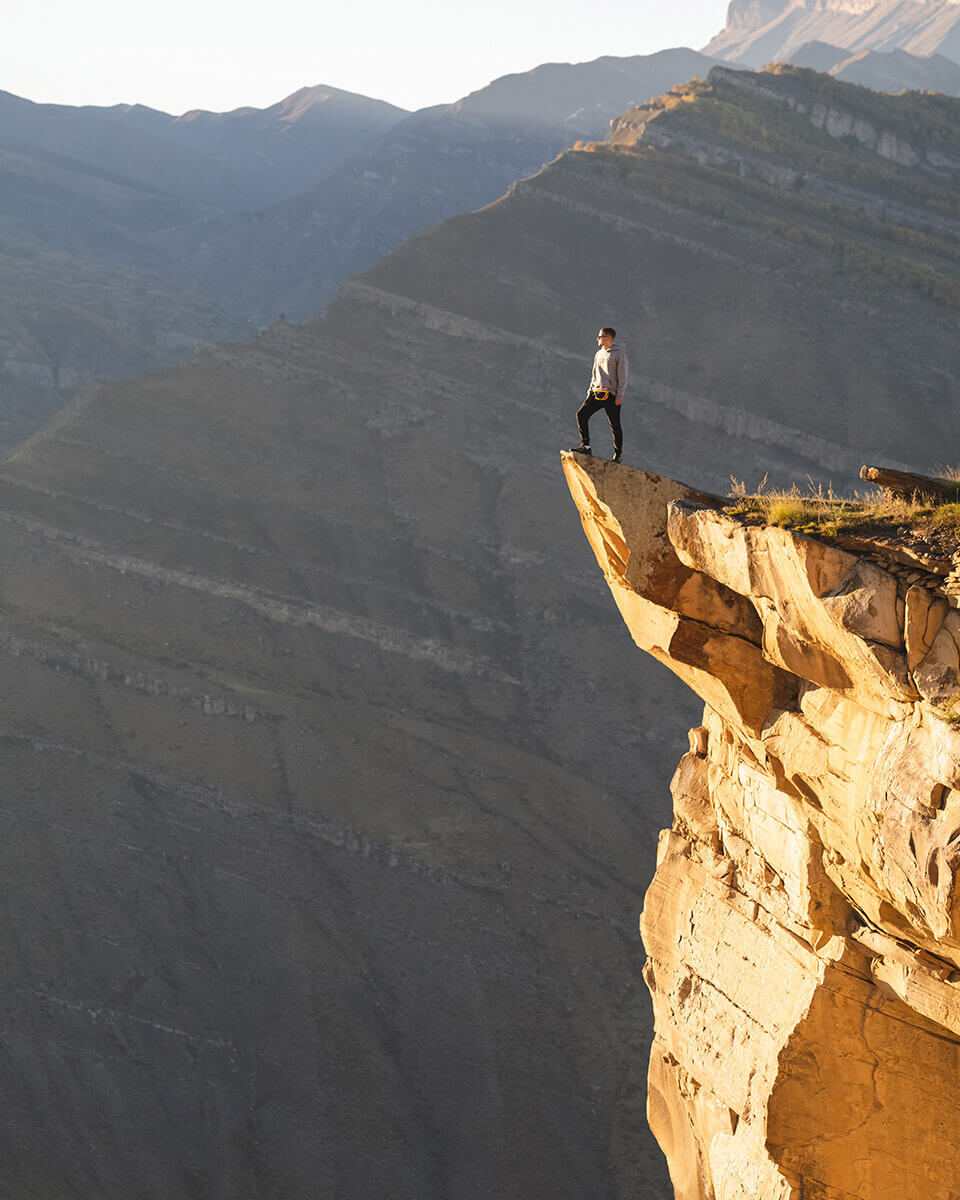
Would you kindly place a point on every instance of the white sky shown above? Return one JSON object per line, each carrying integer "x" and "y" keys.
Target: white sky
{"x": 220, "y": 54}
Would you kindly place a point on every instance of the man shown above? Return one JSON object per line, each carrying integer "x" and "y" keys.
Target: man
{"x": 607, "y": 386}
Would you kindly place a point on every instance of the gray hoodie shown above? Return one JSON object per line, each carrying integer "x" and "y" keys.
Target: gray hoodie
{"x": 610, "y": 370}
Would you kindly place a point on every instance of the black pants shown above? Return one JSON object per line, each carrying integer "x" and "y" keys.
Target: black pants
{"x": 592, "y": 405}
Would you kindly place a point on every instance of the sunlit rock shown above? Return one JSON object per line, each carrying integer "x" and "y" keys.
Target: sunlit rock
{"x": 803, "y": 925}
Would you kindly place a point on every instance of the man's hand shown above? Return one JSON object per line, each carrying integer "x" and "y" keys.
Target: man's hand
{"x": 618, "y": 403}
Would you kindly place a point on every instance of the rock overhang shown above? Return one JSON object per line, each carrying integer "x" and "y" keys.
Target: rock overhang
{"x": 817, "y": 822}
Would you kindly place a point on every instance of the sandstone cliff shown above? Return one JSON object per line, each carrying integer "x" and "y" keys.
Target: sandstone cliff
{"x": 803, "y": 926}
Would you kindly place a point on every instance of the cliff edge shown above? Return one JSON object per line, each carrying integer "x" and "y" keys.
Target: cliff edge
{"x": 803, "y": 924}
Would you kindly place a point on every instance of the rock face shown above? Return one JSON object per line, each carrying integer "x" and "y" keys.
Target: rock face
{"x": 762, "y": 31}
{"x": 834, "y": 109}
{"x": 803, "y": 924}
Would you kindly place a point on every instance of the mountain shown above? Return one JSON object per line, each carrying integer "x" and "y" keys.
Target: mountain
{"x": 438, "y": 162}
{"x": 88, "y": 200}
{"x": 134, "y": 204}
{"x": 79, "y": 203}
{"x": 275, "y": 152}
{"x": 895, "y": 71}
{"x": 101, "y": 180}
{"x": 818, "y": 56}
{"x": 77, "y": 182}
{"x": 328, "y": 801}
{"x": 763, "y": 31}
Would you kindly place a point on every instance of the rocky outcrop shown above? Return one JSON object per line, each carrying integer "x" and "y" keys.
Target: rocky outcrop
{"x": 843, "y": 120}
{"x": 886, "y": 127}
{"x": 803, "y": 924}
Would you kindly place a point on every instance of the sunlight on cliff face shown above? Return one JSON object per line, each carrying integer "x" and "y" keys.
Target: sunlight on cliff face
{"x": 803, "y": 925}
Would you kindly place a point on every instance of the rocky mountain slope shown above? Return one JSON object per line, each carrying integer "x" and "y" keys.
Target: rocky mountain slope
{"x": 764, "y": 31}
{"x": 802, "y": 924}
{"x": 438, "y": 162}
{"x": 130, "y": 204}
{"x": 137, "y": 205}
{"x": 329, "y": 801}
{"x": 348, "y": 878}
{"x": 66, "y": 322}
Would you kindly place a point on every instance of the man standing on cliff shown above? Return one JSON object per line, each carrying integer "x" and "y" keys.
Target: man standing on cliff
{"x": 608, "y": 383}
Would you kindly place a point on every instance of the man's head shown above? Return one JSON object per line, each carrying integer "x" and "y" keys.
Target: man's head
{"x": 605, "y": 337}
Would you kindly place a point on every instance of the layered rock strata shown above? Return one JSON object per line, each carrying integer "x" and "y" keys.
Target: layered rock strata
{"x": 803, "y": 924}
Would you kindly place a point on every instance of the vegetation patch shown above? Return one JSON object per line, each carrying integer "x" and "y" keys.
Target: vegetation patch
{"x": 949, "y": 711}
{"x": 930, "y": 117}
{"x": 768, "y": 126}
{"x": 820, "y": 512}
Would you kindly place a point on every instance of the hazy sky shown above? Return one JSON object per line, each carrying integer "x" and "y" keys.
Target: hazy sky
{"x": 220, "y": 54}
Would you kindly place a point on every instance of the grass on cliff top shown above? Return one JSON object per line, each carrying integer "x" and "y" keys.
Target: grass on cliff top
{"x": 820, "y": 512}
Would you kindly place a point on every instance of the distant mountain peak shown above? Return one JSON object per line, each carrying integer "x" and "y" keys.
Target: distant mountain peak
{"x": 761, "y": 31}
{"x": 310, "y": 100}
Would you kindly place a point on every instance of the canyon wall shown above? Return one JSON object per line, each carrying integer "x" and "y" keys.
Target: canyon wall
{"x": 803, "y": 926}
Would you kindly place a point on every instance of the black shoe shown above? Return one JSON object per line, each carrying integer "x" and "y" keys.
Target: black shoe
{"x": 616, "y": 456}
{"x": 581, "y": 449}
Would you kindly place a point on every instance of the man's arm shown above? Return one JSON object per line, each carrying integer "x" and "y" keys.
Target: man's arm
{"x": 594, "y": 377}
{"x": 623, "y": 372}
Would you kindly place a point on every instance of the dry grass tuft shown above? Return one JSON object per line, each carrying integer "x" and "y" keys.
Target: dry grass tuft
{"x": 949, "y": 711}
{"x": 820, "y": 511}
{"x": 946, "y": 517}
{"x": 788, "y": 510}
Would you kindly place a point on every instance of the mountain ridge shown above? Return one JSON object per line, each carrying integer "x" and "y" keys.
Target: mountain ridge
{"x": 88, "y": 202}
{"x": 277, "y": 151}
{"x": 437, "y": 162}
{"x": 141, "y": 198}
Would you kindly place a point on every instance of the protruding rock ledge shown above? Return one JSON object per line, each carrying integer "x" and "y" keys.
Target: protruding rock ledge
{"x": 803, "y": 926}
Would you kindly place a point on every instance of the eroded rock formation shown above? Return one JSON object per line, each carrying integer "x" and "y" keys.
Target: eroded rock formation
{"x": 803, "y": 925}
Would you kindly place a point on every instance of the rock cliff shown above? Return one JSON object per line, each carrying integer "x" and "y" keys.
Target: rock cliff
{"x": 760, "y": 31}
{"x": 803, "y": 926}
